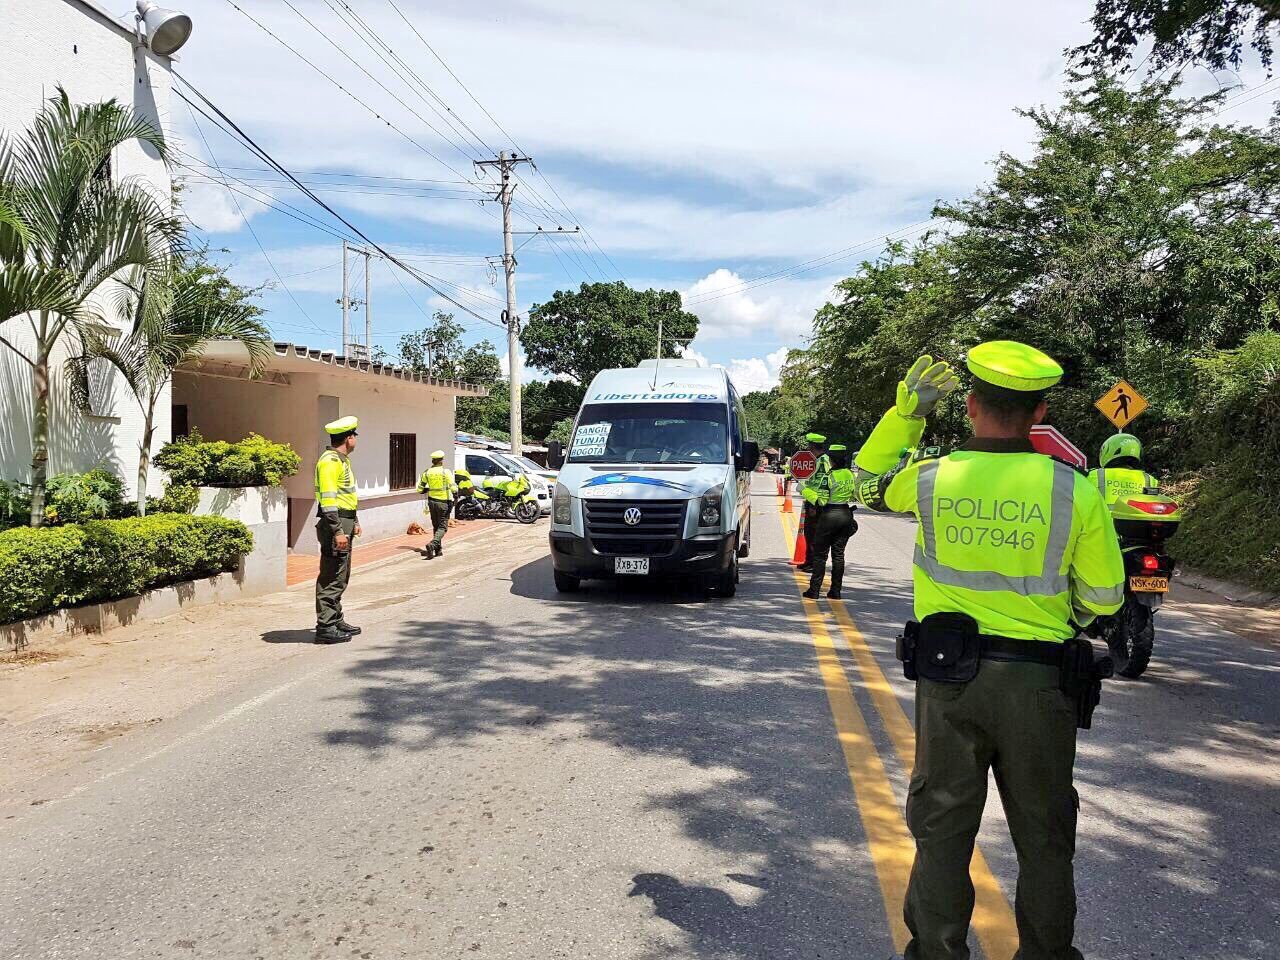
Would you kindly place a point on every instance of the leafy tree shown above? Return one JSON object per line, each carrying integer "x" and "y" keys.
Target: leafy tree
{"x": 1208, "y": 32}
{"x": 561, "y": 430}
{"x": 178, "y": 311}
{"x": 544, "y": 404}
{"x": 67, "y": 227}
{"x": 437, "y": 351}
{"x": 604, "y": 325}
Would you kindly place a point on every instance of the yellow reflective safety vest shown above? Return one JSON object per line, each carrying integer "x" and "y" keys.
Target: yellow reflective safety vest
{"x": 464, "y": 481}
{"x": 818, "y": 481}
{"x": 1117, "y": 482}
{"x": 335, "y": 483}
{"x": 835, "y": 487}
{"x": 437, "y": 483}
{"x": 1019, "y": 541}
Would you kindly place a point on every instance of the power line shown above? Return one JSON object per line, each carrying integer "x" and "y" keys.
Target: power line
{"x": 266, "y": 256}
{"x": 262, "y": 154}
{"x": 452, "y": 119}
{"x": 322, "y": 73}
{"x": 806, "y": 266}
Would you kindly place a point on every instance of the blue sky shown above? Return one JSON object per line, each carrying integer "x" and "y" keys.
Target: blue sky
{"x": 708, "y": 147}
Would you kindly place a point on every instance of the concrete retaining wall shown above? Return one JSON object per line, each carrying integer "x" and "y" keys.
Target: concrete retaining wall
{"x": 265, "y": 511}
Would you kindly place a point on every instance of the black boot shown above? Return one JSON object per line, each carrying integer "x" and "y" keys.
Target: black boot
{"x": 811, "y": 594}
{"x": 834, "y": 594}
{"x": 837, "y": 581}
{"x": 348, "y": 628}
{"x": 331, "y": 634}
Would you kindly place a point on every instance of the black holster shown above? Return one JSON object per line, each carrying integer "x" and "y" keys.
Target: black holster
{"x": 1082, "y": 676}
{"x": 944, "y": 647}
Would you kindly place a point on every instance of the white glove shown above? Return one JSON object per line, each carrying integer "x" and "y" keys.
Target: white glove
{"x": 924, "y": 385}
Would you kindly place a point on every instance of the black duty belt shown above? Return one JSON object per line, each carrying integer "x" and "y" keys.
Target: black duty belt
{"x": 345, "y": 514}
{"x": 1029, "y": 651}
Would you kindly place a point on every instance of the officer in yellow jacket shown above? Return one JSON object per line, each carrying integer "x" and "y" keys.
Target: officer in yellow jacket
{"x": 1014, "y": 551}
{"x": 1119, "y": 473}
{"x": 439, "y": 485}
{"x": 832, "y": 500}
{"x": 336, "y": 527}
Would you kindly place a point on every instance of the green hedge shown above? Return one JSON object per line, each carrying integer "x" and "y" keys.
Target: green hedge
{"x": 253, "y": 462}
{"x": 51, "y": 567}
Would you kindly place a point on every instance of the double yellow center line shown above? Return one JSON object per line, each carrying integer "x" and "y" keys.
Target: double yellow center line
{"x": 890, "y": 844}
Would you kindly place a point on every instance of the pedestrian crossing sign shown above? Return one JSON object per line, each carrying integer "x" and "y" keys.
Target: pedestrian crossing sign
{"x": 1121, "y": 404}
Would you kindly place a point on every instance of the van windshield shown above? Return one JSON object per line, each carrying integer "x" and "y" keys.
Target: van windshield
{"x": 651, "y": 433}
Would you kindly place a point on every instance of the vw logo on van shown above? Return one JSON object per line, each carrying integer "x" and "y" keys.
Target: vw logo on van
{"x": 631, "y": 515}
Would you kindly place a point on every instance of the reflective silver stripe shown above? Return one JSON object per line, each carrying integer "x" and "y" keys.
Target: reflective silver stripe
{"x": 327, "y": 493}
{"x": 1050, "y": 583}
{"x": 926, "y": 481}
{"x": 324, "y": 509}
{"x": 1102, "y": 482}
{"x": 1103, "y": 596}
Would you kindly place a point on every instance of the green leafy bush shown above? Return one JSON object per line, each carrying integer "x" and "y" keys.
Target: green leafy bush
{"x": 176, "y": 499}
{"x": 15, "y": 503}
{"x": 78, "y": 497}
{"x": 253, "y": 462}
{"x": 51, "y": 567}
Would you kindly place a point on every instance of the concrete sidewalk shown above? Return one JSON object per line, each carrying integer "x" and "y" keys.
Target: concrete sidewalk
{"x": 303, "y": 568}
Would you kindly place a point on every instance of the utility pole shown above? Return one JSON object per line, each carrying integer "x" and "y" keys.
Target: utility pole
{"x": 350, "y": 346}
{"x": 346, "y": 302}
{"x": 505, "y": 165}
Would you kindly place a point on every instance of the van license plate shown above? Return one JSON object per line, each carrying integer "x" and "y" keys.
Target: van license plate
{"x": 1149, "y": 584}
{"x": 631, "y": 565}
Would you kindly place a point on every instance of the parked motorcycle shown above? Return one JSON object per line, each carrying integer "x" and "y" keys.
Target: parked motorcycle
{"x": 498, "y": 502}
{"x": 1144, "y": 522}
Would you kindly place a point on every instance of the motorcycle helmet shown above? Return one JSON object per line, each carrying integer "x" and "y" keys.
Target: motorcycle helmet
{"x": 1121, "y": 445}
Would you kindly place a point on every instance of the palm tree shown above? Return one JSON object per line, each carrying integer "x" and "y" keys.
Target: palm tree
{"x": 178, "y": 311}
{"x": 67, "y": 228}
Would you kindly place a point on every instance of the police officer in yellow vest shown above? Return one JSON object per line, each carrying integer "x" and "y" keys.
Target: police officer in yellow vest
{"x": 832, "y": 500}
{"x": 1014, "y": 552}
{"x": 439, "y": 486}
{"x": 817, "y": 444}
{"x": 336, "y": 528}
{"x": 1120, "y": 472}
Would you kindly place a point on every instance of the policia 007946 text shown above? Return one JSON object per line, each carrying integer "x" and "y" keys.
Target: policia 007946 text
{"x": 1014, "y": 553}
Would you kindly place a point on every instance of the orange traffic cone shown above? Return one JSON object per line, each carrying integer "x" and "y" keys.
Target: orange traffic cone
{"x": 779, "y": 488}
{"x": 786, "y": 505}
{"x": 802, "y": 549}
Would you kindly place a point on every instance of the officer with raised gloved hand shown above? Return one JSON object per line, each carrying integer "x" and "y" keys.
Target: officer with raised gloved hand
{"x": 1013, "y": 552}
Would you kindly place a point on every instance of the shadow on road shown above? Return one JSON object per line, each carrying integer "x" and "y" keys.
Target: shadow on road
{"x": 725, "y": 686}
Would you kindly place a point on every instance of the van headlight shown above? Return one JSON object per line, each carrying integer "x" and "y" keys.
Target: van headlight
{"x": 709, "y": 508}
{"x": 561, "y": 511}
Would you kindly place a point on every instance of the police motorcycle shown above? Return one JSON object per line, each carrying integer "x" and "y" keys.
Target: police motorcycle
{"x": 1144, "y": 522}
{"x": 501, "y": 498}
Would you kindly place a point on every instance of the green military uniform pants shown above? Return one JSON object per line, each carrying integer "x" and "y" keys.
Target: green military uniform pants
{"x": 1013, "y": 719}
{"x": 439, "y": 510}
{"x": 831, "y": 532}
{"x": 335, "y": 571}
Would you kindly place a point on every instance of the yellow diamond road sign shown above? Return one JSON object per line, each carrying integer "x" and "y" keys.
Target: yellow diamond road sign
{"x": 1121, "y": 404}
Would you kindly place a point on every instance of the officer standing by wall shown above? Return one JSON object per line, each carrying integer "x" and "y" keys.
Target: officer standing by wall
{"x": 1014, "y": 550}
{"x": 439, "y": 485}
{"x": 817, "y": 444}
{"x": 1120, "y": 472}
{"x": 337, "y": 526}
{"x": 833, "y": 502}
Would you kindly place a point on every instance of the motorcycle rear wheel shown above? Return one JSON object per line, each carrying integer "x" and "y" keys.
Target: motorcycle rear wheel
{"x": 1131, "y": 639}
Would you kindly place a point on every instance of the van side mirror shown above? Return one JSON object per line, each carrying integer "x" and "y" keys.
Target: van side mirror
{"x": 555, "y": 454}
{"x": 749, "y": 457}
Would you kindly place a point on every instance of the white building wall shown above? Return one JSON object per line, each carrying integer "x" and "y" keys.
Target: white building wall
{"x": 47, "y": 43}
{"x": 227, "y": 409}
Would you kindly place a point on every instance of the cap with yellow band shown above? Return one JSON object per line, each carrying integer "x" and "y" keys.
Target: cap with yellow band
{"x": 837, "y": 448}
{"x": 1013, "y": 365}
{"x": 342, "y": 425}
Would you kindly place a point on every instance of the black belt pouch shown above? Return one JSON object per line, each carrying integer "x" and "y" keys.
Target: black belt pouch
{"x": 948, "y": 648}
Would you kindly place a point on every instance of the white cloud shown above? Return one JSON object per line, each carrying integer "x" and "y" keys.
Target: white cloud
{"x": 212, "y": 208}
{"x": 748, "y": 375}
{"x": 727, "y": 309}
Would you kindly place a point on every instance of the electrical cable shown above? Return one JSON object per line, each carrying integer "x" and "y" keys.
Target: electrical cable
{"x": 420, "y": 276}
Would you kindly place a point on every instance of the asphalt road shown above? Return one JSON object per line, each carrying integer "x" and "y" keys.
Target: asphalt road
{"x": 493, "y": 770}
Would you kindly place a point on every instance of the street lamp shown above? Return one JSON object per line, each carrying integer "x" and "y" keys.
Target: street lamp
{"x": 166, "y": 30}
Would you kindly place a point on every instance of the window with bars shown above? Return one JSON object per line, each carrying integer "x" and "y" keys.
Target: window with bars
{"x": 404, "y": 461}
